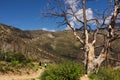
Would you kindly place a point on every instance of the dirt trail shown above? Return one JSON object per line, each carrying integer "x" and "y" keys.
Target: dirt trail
{"x": 85, "y": 77}
{"x": 30, "y": 76}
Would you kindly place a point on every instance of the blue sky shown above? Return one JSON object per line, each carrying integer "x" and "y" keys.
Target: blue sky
{"x": 25, "y": 14}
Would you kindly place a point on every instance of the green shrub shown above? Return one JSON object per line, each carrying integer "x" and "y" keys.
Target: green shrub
{"x": 116, "y": 74}
{"x": 11, "y": 61}
{"x": 16, "y": 57}
{"x": 64, "y": 71}
{"x": 0, "y": 66}
{"x": 15, "y": 63}
{"x": 106, "y": 74}
{"x": 36, "y": 67}
{"x": 9, "y": 68}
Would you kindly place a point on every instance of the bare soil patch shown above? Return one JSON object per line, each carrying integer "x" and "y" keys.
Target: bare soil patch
{"x": 23, "y": 76}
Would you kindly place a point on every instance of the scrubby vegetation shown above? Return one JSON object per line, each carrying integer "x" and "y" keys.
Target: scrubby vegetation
{"x": 106, "y": 74}
{"x": 14, "y": 62}
{"x": 73, "y": 71}
{"x": 63, "y": 71}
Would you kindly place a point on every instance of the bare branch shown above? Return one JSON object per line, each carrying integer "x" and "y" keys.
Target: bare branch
{"x": 115, "y": 38}
{"x": 85, "y": 21}
{"x": 61, "y": 23}
{"x": 96, "y": 31}
{"x": 113, "y": 19}
{"x": 99, "y": 46}
{"x": 72, "y": 28}
{"x": 114, "y": 59}
{"x": 94, "y": 36}
{"x": 53, "y": 14}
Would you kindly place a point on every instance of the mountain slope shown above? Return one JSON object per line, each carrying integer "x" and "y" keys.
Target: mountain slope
{"x": 48, "y": 46}
{"x": 22, "y": 42}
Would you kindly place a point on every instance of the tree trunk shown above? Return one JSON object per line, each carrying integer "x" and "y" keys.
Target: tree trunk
{"x": 93, "y": 63}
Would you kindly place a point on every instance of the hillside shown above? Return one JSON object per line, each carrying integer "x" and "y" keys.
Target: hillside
{"x": 47, "y": 46}
{"x": 21, "y": 42}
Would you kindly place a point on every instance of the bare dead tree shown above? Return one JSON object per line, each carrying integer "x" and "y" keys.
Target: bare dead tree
{"x": 71, "y": 10}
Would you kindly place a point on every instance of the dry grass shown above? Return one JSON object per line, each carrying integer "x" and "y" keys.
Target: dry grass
{"x": 23, "y": 76}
